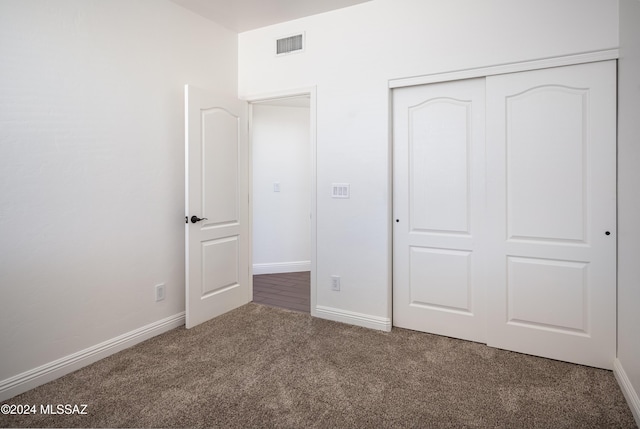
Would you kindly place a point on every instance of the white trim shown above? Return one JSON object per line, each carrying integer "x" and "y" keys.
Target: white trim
{"x": 352, "y": 318}
{"x": 587, "y": 57}
{"x": 27, "y": 380}
{"x": 627, "y": 389}
{"x": 282, "y": 267}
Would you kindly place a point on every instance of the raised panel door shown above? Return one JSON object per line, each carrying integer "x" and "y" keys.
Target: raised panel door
{"x": 438, "y": 285}
{"x": 551, "y": 189}
{"x": 217, "y": 246}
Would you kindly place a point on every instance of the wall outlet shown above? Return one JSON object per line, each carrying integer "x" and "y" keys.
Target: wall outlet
{"x": 160, "y": 292}
{"x": 335, "y": 283}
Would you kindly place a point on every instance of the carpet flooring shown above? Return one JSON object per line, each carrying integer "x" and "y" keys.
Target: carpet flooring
{"x": 261, "y": 366}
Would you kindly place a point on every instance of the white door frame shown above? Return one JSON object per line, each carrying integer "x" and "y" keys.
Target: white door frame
{"x": 290, "y": 93}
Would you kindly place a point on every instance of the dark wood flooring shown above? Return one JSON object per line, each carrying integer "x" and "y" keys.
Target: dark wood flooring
{"x": 284, "y": 290}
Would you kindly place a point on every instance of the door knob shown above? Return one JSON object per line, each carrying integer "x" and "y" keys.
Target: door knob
{"x": 195, "y": 219}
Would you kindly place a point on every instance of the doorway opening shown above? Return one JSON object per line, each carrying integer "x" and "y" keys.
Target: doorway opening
{"x": 282, "y": 147}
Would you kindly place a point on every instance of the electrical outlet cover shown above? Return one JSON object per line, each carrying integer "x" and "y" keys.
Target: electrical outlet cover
{"x": 160, "y": 290}
{"x": 335, "y": 283}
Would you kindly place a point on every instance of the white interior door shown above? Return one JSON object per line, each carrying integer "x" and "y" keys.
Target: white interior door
{"x": 438, "y": 193}
{"x": 551, "y": 182}
{"x": 217, "y": 247}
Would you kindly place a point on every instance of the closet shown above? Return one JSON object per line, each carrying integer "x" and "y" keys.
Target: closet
{"x": 504, "y": 209}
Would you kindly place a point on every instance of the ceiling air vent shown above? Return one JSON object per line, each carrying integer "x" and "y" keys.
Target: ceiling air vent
{"x": 289, "y": 45}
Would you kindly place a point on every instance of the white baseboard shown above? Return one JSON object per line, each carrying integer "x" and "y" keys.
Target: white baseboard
{"x": 352, "y": 318}
{"x": 282, "y": 267}
{"x": 27, "y": 380}
{"x": 627, "y": 389}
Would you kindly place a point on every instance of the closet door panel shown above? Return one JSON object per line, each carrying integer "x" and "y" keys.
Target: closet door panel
{"x": 438, "y": 284}
{"x": 551, "y": 189}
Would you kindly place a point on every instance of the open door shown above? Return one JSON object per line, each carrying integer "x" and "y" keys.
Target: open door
{"x": 216, "y": 205}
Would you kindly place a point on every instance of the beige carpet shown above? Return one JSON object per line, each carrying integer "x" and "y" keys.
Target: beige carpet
{"x": 265, "y": 367}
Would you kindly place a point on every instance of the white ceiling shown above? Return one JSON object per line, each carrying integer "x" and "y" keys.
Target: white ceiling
{"x": 245, "y": 15}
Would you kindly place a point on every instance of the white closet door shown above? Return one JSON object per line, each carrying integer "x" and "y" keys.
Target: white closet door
{"x": 438, "y": 191}
{"x": 551, "y": 196}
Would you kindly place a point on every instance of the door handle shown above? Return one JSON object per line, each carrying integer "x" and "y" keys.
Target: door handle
{"x": 195, "y": 219}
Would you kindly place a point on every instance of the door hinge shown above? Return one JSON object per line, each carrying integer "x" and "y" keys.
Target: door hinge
{"x": 186, "y": 219}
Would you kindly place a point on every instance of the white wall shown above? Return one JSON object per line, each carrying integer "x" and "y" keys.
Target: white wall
{"x": 92, "y": 167}
{"x": 281, "y": 153}
{"x": 350, "y": 55}
{"x": 629, "y": 197}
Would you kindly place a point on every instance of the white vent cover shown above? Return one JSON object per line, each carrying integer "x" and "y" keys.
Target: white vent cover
{"x": 340, "y": 190}
{"x": 289, "y": 45}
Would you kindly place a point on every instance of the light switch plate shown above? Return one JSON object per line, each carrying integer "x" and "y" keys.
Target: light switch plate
{"x": 340, "y": 190}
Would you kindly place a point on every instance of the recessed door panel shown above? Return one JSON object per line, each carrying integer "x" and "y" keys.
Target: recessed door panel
{"x": 220, "y": 166}
{"x": 548, "y": 294}
{"x": 220, "y": 265}
{"x": 440, "y": 279}
{"x": 439, "y": 165}
{"x": 546, "y": 144}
